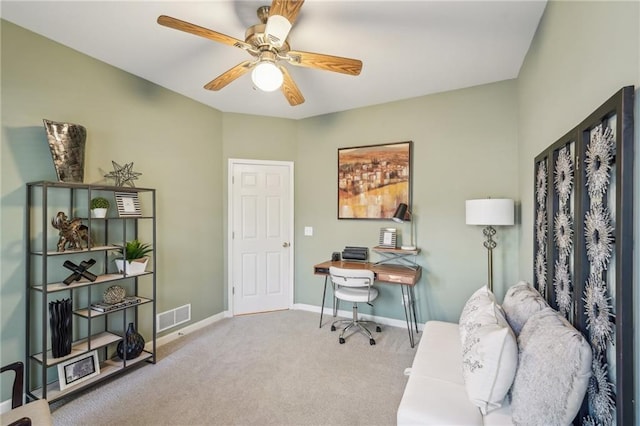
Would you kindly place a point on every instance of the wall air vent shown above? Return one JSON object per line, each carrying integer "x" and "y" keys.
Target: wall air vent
{"x": 169, "y": 319}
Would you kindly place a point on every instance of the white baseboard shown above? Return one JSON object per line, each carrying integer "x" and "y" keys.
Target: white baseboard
{"x": 347, "y": 314}
{"x": 5, "y": 406}
{"x": 298, "y": 306}
{"x": 167, "y": 338}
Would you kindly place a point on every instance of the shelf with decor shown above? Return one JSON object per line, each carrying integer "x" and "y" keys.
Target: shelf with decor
{"x": 90, "y": 312}
{"x": 107, "y": 369}
{"x": 96, "y": 341}
{"x": 85, "y": 250}
{"x": 60, "y": 286}
{"x": 71, "y": 255}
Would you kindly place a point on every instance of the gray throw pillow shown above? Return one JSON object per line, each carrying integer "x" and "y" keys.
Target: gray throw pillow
{"x": 554, "y": 367}
{"x": 520, "y": 302}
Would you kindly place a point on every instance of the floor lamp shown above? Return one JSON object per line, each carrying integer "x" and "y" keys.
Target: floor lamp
{"x": 402, "y": 215}
{"x": 489, "y": 212}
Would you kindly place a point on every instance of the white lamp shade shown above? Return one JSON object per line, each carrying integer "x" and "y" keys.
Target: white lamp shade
{"x": 267, "y": 76}
{"x": 489, "y": 211}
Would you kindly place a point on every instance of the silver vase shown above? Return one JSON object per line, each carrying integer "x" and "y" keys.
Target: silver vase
{"x": 66, "y": 141}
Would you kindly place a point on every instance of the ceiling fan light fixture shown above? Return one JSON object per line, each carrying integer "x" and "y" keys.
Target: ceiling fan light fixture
{"x": 266, "y": 76}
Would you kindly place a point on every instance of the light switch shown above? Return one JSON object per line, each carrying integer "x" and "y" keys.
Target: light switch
{"x": 308, "y": 231}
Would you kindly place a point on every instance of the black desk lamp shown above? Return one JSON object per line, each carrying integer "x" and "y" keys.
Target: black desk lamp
{"x": 403, "y": 214}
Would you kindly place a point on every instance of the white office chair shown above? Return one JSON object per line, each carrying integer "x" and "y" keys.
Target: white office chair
{"x": 354, "y": 285}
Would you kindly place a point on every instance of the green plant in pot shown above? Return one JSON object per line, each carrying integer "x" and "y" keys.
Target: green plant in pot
{"x": 99, "y": 206}
{"x": 135, "y": 257}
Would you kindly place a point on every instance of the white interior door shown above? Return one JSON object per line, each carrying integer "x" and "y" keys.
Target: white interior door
{"x": 261, "y": 225}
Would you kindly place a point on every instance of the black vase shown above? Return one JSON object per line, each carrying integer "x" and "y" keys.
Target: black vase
{"x": 60, "y": 323}
{"x": 134, "y": 342}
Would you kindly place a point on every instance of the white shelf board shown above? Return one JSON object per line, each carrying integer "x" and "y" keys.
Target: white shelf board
{"x": 83, "y": 282}
{"x": 107, "y": 368}
{"x": 81, "y": 347}
{"x": 86, "y": 313}
{"x": 94, "y": 248}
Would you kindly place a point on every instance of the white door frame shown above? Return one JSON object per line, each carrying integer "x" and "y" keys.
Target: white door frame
{"x": 231, "y": 163}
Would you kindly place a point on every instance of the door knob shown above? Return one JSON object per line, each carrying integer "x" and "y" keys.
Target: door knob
{"x": 285, "y": 244}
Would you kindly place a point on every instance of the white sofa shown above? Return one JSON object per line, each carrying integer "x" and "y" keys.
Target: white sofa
{"x": 435, "y": 393}
{"x": 544, "y": 387}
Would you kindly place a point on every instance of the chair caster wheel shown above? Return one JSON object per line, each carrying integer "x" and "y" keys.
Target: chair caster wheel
{"x": 378, "y": 329}
{"x": 372, "y": 342}
{"x": 333, "y": 328}
{"x": 341, "y": 340}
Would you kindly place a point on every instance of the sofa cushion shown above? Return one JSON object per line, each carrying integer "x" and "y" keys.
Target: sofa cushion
{"x": 553, "y": 371}
{"x": 440, "y": 354}
{"x": 435, "y": 393}
{"x": 520, "y": 302}
{"x": 489, "y": 352}
{"x": 430, "y": 401}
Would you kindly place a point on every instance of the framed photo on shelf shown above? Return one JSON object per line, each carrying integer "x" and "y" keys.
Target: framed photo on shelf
{"x": 388, "y": 237}
{"x": 78, "y": 369}
{"x": 373, "y": 180}
{"x": 128, "y": 204}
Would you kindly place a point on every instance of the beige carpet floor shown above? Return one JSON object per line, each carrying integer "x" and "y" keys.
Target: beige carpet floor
{"x": 274, "y": 368}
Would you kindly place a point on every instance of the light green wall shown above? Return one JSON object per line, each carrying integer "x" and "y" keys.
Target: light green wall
{"x": 175, "y": 142}
{"x": 464, "y": 146}
{"x": 468, "y": 143}
{"x": 582, "y": 54}
{"x": 251, "y": 137}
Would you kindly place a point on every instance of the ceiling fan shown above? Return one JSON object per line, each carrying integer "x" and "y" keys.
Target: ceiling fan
{"x": 267, "y": 43}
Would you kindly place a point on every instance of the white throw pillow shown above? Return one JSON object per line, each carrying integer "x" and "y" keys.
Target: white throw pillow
{"x": 520, "y": 302}
{"x": 554, "y": 367}
{"x": 489, "y": 351}
{"x": 482, "y": 301}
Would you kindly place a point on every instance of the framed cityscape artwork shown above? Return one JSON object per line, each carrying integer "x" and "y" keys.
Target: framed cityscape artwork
{"x": 373, "y": 180}
{"x": 78, "y": 369}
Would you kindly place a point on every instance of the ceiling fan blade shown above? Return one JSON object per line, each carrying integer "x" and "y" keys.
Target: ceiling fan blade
{"x": 287, "y": 8}
{"x": 188, "y": 27}
{"x": 325, "y": 62}
{"x": 290, "y": 89}
{"x": 230, "y": 75}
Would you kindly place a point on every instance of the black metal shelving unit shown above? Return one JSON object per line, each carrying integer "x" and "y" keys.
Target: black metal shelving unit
{"x": 92, "y": 329}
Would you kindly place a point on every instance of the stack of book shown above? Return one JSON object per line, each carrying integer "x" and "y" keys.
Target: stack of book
{"x": 106, "y": 307}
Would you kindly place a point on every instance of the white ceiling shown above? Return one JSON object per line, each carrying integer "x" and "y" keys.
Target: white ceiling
{"x": 408, "y": 48}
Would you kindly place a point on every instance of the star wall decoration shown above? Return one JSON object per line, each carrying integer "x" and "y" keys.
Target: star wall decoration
{"x": 123, "y": 175}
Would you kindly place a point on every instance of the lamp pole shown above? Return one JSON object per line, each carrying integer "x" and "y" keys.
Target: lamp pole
{"x": 490, "y": 212}
{"x": 489, "y": 231}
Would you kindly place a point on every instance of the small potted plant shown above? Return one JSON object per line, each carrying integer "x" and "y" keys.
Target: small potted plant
{"x": 99, "y": 206}
{"x": 135, "y": 258}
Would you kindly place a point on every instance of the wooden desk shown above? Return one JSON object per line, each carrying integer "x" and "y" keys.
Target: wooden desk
{"x": 405, "y": 277}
